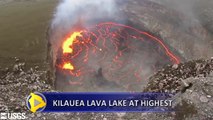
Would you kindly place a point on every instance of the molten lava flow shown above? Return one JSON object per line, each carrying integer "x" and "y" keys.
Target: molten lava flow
{"x": 68, "y": 66}
{"x": 122, "y": 51}
{"x": 68, "y": 48}
{"x": 68, "y": 43}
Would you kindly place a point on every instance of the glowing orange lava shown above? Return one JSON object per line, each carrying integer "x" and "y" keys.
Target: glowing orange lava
{"x": 68, "y": 43}
{"x": 68, "y": 48}
{"x": 68, "y": 66}
{"x": 110, "y": 45}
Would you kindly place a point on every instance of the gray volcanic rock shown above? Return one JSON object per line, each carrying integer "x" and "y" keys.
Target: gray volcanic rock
{"x": 192, "y": 84}
{"x": 175, "y": 78}
{"x": 16, "y": 85}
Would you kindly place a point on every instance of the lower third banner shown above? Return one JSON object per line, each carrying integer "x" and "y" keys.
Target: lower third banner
{"x": 99, "y": 102}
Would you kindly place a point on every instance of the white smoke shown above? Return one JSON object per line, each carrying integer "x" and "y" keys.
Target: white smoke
{"x": 71, "y": 12}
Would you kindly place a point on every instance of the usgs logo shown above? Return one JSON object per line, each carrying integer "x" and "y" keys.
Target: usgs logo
{"x": 12, "y": 116}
